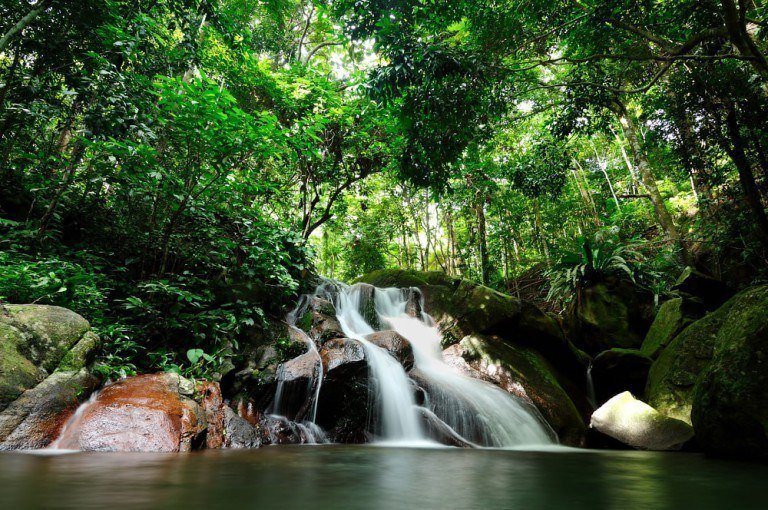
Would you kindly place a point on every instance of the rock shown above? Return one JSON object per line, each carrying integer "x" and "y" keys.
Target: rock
{"x": 671, "y": 319}
{"x": 239, "y": 432}
{"x": 730, "y": 400}
{"x": 525, "y": 373}
{"x": 297, "y": 379}
{"x": 639, "y": 425}
{"x": 145, "y": 413}
{"x": 49, "y": 331}
{"x": 341, "y": 352}
{"x": 614, "y": 313}
{"x": 35, "y": 340}
{"x": 673, "y": 375}
{"x": 462, "y": 308}
{"x": 36, "y": 418}
{"x": 395, "y": 344}
{"x": 617, "y": 370}
{"x": 710, "y": 291}
{"x": 343, "y": 404}
{"x": 17, "y": 373}
{"x": 212, "y": 404}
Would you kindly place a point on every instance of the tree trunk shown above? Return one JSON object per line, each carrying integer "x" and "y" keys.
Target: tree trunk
{"x": 735, "y": 22}
{"x": 643, "y": 166}
{"x": 746, "y": 177}
{"x": 482, "y": 240}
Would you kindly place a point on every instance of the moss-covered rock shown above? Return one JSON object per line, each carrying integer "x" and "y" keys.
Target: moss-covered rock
{"x": 618, "y": 370}
{"x": 35, "y": 340}
{"x": 614, "y": 313}
{"x": 730, "y": 401}
{"x": 639, "y": 425}
{"x": 709, "y": 291}
{"x": 672, "y": 318}
{"x": 50, "y": 331}
{"x": 524, "y": 372}
{"x": 462, "y": 308}
{"x": 673, "y": 375}
{"x": 17, "y": 373}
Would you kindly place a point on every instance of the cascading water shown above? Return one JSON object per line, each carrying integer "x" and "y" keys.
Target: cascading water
{"x": 477, "y": 411}
{"x": 400, "y": 420}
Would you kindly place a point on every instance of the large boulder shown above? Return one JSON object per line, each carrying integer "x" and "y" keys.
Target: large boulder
{"x": 617, "y": 370}
{"x": 524, "y": 372}
{"x": 44, "y": 356}
{"x": 608, "y": 314}
{"x": 730, "y": 401}
{"x": 672, "y": 318}
{"x": 462, "y": 308}
{"x": 343, "y": 400}
{"x": 674, "y": 373}
{"x": 639, "y": 425}
{"x": 145, "y": 413}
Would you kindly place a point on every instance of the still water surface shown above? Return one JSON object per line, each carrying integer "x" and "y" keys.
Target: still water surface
{"x": 371, "y": 478}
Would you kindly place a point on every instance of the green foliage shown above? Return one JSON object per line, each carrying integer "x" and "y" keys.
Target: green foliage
{"x": 598, "y": 259}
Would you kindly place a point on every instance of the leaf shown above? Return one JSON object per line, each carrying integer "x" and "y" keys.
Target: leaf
{"x": 194, "y": 355}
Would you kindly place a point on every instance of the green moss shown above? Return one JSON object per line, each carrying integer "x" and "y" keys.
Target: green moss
{"x": 79, "y": 356}
{"x": 17, "y": 373}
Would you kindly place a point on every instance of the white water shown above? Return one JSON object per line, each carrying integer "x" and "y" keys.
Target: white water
{"x": 393, "y": 392}
{"x": 478, "y": 411}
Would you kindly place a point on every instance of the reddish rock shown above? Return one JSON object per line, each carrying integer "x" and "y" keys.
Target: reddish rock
{"x": 395, "y": 344}
{"x": 214, "y": 408}
{"x": 145, "y": 413}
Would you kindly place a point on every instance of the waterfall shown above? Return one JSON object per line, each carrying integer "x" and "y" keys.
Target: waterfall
{"x": 477, "y": 411}
{"x": 393, "y": 392}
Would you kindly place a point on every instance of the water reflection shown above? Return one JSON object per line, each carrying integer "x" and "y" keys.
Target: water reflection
{"x": 341, "y": 477}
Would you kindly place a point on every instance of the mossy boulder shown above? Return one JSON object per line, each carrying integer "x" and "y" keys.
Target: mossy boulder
{"x": 730, "y": 401}
{"x": 674, "y": 373}
{"x": 462, "y": 308}
{"x": 617, "y": 370}
{"x": 672, "y": 318}
{"x": 36, "y": 340}
{"x": 613, "y": 313}
{"x": 50, "y": 331}
{"x": 524, "y": 372}
{"x": 639, "y": 425}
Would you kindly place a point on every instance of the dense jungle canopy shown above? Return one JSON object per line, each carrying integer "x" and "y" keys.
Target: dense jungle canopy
{"x": 178, "y": 170}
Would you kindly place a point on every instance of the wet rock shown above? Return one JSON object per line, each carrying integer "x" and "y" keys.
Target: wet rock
{"x": 145, "y": 413}
{"x": 639, "y": 425}
{"x": 617, "y": 370}
{"x": 343, "y": 403}
{"x": 672, "y": 318}
{"x": 462, "y": 308}
{"x": 525, "y": 373}
{"x": 396, "y": 345}
{"x": 239, "y": 432}
{"x": 214, "y": 408}
{"x": 730, "y": 400}
{"x": 36, "y": 418}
